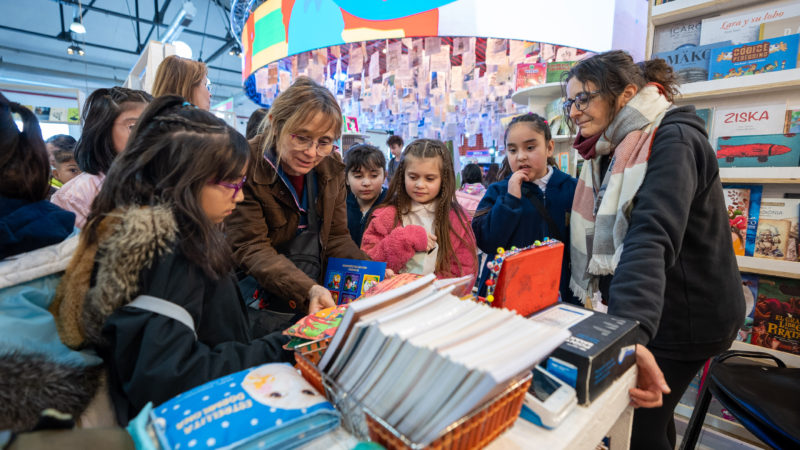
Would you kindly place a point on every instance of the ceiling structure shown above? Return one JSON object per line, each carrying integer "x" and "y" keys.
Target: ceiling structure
{"x": 35, "y": 35}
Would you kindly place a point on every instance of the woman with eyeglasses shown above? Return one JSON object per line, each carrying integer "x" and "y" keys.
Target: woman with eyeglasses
{"x": 184, "y": 77}
{"x": 151, "y": 285}
{"x": 294, "y": 214}
{"x": 649, "y": 229}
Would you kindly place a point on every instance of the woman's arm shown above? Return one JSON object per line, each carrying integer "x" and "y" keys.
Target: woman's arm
{"x": 394, "y": 245}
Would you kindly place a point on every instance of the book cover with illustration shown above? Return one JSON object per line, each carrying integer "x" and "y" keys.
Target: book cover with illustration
{"x": 271, "y": 406}
{"x": 743, "y": 25}
{"x": 530, "y": 75}
{"x": 778, "y": 28}
{"x": 752, "y": 213}
{"x": 792, "y": 123}
{"x": 320, "y": 325}
{"x": 750, "y": 288}
{"x": 555, "y": 70}
{"x": 690, "y": 63}
{"x": 776, "y": 319}
{"x": 737, "y": 203}
{"x": 706, "y": 114}
{"x": 347, "y": 279}
{"x": 756, "y": 57}
{"x": 761, "y": 150}
{"x": 670, "y": 37}
{"x": 778, "y": 230}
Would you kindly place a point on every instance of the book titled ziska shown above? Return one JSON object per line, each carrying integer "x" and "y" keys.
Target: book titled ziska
{"x": 602, "y": 347}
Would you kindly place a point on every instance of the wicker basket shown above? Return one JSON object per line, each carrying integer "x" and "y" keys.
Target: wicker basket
{"x": 473, "y": 431}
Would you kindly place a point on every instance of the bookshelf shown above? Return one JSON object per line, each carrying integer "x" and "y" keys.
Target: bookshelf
{"x": 771, "y": 267}
{"x": 760, "y": 175}
{"x": 749, "y": 85}
{"x": 687, "y": 9}
{"x": 537, "y": 96}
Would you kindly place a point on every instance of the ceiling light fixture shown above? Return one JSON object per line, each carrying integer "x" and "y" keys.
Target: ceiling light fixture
{"x": 182, "y": 49}
{"x": 75, "y": 49}
{"x": 77, "y": 20}
{"x": 235, "y": 51}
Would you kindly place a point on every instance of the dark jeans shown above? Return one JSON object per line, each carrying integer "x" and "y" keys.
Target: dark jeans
{"x": 654, "y": 428}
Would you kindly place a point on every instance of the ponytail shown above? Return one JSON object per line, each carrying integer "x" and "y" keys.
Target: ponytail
{"x": 658, "y": 71}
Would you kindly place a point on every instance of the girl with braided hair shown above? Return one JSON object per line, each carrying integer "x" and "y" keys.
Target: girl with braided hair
{"x": 151, "y": 284}
{"x": 108, "y": 118}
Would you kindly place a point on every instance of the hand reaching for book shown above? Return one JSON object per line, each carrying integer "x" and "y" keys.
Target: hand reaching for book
{"x": 319, "y": 299}
{"x": 650, "y": 382}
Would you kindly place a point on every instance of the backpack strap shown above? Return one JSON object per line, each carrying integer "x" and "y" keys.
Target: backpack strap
{"x": 537, "y": 203}
{"x": 164, "y": 308}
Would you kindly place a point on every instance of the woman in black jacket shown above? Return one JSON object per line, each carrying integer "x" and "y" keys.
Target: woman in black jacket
{"x": 151, "y": 285}
{"x": 649, "y": 229}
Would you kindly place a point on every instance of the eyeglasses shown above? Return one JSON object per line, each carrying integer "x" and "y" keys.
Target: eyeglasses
{"x": 236, "y": 187}
{"x": 323, "y": 148}
{"x": 209, "y": 86}
{"x": 581, "y": 101}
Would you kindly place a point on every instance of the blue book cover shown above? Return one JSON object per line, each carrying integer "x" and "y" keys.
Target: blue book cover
{"x": 753, "y": 212}
{"x": 270, "y": 405}
{"x": 348, "y": 279}
{"x": 767, "y": 55}
{"x": 690, "y": 62}
{"x": 760, "y": 150}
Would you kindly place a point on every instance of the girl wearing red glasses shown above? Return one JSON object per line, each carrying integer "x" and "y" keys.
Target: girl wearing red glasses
{"x": 151, "y": 285}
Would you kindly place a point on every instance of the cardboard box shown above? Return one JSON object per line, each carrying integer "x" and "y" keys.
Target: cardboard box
{"x": 602, "y": 347}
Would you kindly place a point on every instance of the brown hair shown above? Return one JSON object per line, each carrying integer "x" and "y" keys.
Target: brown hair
{"x": 612, "y": 71}
{"x": 398, "y": 198}
{"x": 179, "y": 76}
{"x": 24, "y": 162}
{"x": 296, "y": 105}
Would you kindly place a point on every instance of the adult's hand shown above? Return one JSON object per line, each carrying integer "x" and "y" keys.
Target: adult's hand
{"x": 319, "y": 299}
{"x": 515, "y": 183}
{"x": 388, "y": 274}
{"x": 650, "y": 382}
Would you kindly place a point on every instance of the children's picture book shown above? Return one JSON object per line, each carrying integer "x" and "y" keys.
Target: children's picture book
{"x": 320, "y": 325}
{"x": 778, "y": 229}
{"x": 778, "y": 28}
{"x": 737, "y": 202}
{"x": 670, "y": 37}
{"x": 743, "y": 25}
{"x": 706, "y": 114}
{"x": 747, "y": 120}
{"x": 750, "y": 288}
{"x": 776, "y": 318}
{"x": 346, "y": 278}
{"x": 268, "y": 406}
{"x": 768, "y": 150}
{"x": 530, "y": 75}
{"x": 754, "y": 198}
{"x": 391, "y": 283}
{"x": 689, "y": 62}
{"x": 555, "y": 70}
{"x": 792, "y": 122}
{"x": 756, "y": 57}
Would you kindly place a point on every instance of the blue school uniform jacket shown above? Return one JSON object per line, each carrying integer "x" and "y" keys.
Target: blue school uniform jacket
{"x": 503, "y": 220}
{"x": 356, "y": 222}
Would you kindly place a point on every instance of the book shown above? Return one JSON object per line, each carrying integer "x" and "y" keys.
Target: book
{"x": 554, "y": 114}
{"x": 270, "y": 406}
{"x": 792, "y": 122}
{"x": 743, "y": 25}
{"x": 778, "y": 28}
{"x": 750, "y": 288}
{"x": 319, "y": 325}
{"x": 737, "y": 202}
{"x": 753, "y": 211}
{"x": 752, "y": 58}
{"x": 776, "y": 318}
{"x": 778, "y": 230}
{"x": 747, "y": 120}
{"x": 769, "y": 150}
{"x": 706, "y": 114}
{"x": 530, "y": 75}
{"x": 555, "y": 70}
{"x": 348, "y": 279}
{"x": 670, "y": 37}
{"x": 690, "y": 62}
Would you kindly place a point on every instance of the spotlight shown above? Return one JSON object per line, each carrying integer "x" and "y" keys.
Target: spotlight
{"x": 73, "y": 49}
{"x": 235, "y": 51}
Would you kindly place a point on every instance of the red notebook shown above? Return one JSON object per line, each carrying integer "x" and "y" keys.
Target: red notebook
{"x": 528, "y": 281}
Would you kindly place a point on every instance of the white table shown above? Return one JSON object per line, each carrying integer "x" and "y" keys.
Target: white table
{"x": 610, "y": 415}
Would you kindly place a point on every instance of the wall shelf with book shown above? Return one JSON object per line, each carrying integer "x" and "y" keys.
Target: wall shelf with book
{"x": 760, "y": 175}
{"x": 772, "y": 267}
{"x": 566, "y": 138}
{"x": 685, "y": 9}
{"x": 747, "y": 85}
{"x": 538, "y": 95}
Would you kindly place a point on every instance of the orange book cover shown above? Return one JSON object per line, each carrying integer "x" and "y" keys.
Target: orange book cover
{"x": 528, "y": 281}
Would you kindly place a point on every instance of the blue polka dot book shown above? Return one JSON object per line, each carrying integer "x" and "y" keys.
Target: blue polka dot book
{"x": 268, "y": 406}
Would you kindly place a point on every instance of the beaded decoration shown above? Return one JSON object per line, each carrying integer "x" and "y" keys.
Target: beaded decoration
{"x": 496, "y": 264}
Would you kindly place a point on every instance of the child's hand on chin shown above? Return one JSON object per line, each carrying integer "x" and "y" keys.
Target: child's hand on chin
{"x": 515, "y": 183}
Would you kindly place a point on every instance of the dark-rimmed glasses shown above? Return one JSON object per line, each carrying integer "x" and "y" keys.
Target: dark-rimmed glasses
{"x": 236, "y": 187}
{"x": 323, "y": 148}
{"x": 581, "y": 100}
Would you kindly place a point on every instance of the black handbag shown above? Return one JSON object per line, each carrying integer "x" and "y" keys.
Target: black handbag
{"x": 271, "y": 311}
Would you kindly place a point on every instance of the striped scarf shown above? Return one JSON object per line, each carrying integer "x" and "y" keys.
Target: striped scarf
{"x": 603, "y": 202}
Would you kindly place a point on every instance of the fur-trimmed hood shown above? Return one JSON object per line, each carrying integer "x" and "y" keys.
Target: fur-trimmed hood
{"x": 128, "y": 240}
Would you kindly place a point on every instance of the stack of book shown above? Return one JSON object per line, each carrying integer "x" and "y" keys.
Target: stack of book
{"x": 420, "y": 358}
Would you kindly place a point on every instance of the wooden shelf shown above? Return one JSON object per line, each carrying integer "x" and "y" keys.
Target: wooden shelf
{"x": 687, "y": 9}
{"x": 772, "y": 267}
{"x": 744, "y": 85}
{"x": 543, "y": 93}
{"x": 760, "y": 175}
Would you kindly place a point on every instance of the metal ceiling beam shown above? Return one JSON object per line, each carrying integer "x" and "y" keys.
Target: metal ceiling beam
{"x": 138, "y": 31}
{"x": 142, "y": 20}
{"x": 83, "y": 13}
{"x": 158, "y": 16}
{"x": 227, "y": 45}
{"x": 88, "y": 44}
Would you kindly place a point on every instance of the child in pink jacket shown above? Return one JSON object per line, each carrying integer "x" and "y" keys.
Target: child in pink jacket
{"x": 420, "y": 228}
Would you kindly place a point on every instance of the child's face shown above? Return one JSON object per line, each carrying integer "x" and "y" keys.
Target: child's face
{"x": 527, "y": 151}
{"x": 66, "y": 171}
{"x": 218, "y": 201}
{"x": 423, "y": 178}
{"x": 396, "y": 150}
{"x": 366, "y": 183}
